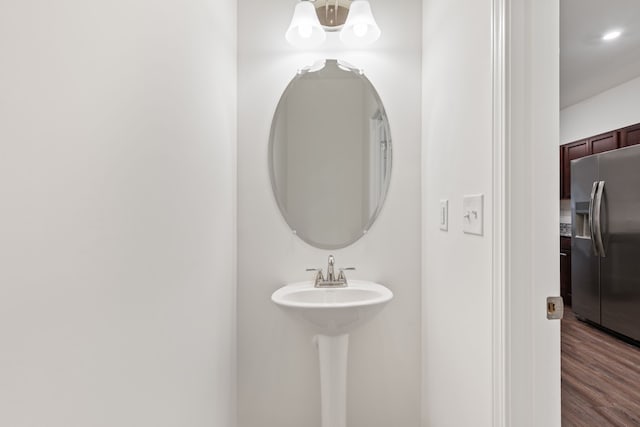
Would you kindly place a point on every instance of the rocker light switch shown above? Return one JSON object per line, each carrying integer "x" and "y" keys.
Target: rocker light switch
{"x": 444, "y": 215}
{"x": 472, "y": 211}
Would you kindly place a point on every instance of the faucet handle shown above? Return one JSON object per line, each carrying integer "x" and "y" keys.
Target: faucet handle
{"x": 341, "y": 276}
{"x": 318, "y": 276}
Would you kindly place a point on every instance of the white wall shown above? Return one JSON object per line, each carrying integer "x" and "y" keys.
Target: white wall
{"x": 278, "y": 382}
{"x": 609, "y": 110}
{"x": 456, "y": 153}
{"x": 117, "y": 213}
{"x": 457, "y": 299}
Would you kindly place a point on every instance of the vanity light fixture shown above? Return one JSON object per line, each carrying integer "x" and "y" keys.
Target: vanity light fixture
{"x": 305, "y": 29}
{"x": 611, "y": 35}
{"x": 312, "y": 18}
{"x": 361, "y": 28}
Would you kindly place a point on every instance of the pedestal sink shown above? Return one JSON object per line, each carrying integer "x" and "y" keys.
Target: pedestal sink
{"x": 333, "y": 312}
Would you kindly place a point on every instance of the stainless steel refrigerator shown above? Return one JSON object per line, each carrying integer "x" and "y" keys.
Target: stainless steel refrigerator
{"x": 605, "y": 240}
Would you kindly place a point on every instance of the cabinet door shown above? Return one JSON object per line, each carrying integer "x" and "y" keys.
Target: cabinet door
{"x": 630, "y": 136}
{"x": 605, "y": 142}
{"x": 572, "y": 151}
{"x": 562, "y": 172}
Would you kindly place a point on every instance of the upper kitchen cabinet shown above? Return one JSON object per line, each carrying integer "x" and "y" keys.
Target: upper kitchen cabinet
{"x": 575, "y": 150}
{"x": 630, "y": 135}
{"x": 605, "y": 142}
{"x": 572, "y": 151}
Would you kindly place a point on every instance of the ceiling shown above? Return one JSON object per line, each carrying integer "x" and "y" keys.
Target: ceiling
{"x": 589, "y": 65}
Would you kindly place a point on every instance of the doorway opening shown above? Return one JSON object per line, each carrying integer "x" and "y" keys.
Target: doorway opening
{"x": 599, "y": 161}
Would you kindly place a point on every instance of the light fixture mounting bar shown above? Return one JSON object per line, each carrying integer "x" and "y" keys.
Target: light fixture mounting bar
{"x": 332, "y": 13}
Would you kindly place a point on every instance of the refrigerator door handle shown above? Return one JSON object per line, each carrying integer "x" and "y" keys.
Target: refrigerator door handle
{"x": 594, "y": 190}
{"x": 598, "y": 219}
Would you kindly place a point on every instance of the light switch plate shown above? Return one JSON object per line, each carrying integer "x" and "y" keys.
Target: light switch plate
{"x": 444, "y": 215}
{"x": 473, "y": 214}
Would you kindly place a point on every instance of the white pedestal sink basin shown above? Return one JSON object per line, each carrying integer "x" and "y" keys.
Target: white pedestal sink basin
{"x": 333, "y": 312}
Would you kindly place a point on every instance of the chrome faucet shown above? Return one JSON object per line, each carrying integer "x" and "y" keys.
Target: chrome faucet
{"x": 331, "y": 280}
{"x": 330, "y": 274}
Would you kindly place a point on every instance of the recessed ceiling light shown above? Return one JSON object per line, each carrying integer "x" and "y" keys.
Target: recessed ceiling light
{"x": 611, "y": 35}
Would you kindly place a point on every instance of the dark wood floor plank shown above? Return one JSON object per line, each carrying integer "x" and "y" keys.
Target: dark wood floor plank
{"x": 600, "y": 377}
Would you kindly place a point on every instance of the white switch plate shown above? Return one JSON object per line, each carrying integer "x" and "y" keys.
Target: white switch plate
{"x": 444, "y": 215}
{"x": 472, "y": 211}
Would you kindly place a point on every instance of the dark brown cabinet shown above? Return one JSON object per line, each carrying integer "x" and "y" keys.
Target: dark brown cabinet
{"x": 565, "y": 269}
{"x": 572, "y": 151}
{"x": 605, "y": 142}
{"x": 630, "y": 135}
{"x": 562, "y": 172}
{"x": 575, "y": 150}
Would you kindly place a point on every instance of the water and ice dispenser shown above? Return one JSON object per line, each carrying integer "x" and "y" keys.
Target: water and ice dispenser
{"x": 581, "y": 223}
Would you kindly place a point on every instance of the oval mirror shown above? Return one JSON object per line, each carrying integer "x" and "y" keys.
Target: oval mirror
{"x": 330, "y": 154}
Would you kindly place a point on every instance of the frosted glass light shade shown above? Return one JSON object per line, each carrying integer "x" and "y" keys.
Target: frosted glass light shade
{"x": 305, "y": 29}
{"x": 360, "y": 29}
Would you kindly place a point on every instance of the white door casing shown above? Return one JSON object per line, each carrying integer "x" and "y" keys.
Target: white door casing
{"x": 526, "y": 346}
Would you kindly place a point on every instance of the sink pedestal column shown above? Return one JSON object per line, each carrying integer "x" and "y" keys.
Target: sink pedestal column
{"x": 333, "y": 379}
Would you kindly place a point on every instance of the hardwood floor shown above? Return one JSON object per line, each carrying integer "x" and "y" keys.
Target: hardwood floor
{"x": 600, "y": 377}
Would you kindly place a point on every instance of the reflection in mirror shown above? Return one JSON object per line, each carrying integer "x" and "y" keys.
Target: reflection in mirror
{"x": 330, "y": 154}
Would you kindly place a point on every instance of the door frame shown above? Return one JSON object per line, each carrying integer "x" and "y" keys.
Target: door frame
{"x": 525, "y": 237}
{"x": 499, "y": 244}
